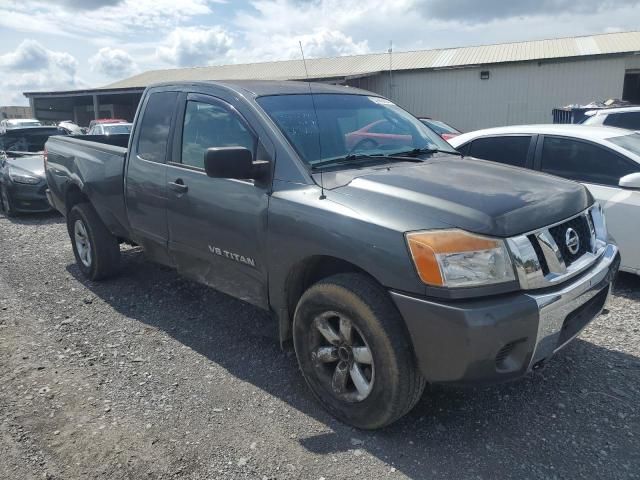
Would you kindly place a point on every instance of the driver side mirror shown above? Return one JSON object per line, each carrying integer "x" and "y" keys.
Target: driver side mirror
{"x": 631, "y": 181}
{"x": 234, "y": 162}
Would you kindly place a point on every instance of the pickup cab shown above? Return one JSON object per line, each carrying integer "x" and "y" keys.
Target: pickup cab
{"x": 390, "y": 261}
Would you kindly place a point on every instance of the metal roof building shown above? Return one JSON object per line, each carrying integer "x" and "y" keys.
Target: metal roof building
{"x": 470, "y": 87}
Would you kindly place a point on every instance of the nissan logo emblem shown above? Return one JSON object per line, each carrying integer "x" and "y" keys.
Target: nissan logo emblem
{"x": 572, "y": 240}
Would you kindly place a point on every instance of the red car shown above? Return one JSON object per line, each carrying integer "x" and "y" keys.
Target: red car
{"x": 444, "y": 130}
{"x": 378, "y": 133}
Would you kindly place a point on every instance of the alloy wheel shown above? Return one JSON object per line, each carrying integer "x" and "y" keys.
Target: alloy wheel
{"x": 83, "y": 245}
{"x": 343, "y": 357}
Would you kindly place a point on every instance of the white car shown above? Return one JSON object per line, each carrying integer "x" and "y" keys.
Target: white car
{"x": 11, "y": 123}
{"x": 621, "y": 117}
{"x": 605, "y": 159}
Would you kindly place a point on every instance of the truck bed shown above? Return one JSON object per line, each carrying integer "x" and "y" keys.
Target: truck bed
{"x": 95, "y": 163}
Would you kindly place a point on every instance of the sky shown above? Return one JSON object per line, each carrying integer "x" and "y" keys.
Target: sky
{"x": 73, "y": 44}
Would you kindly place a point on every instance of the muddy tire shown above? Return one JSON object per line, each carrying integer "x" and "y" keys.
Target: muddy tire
{"x": 355, "y": 353}
{"x": 97, "y": 252}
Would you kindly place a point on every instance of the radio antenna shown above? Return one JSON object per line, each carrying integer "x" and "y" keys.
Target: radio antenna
{"x": 315, "y": 112}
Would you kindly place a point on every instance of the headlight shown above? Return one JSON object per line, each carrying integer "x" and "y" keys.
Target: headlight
{"x": 20, "y": 177}
{"x": 454, "y": 258}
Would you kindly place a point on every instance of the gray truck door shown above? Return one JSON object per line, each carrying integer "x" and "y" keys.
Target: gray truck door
{"x": 146, "y": 182}
{"x": 217, "y": 226}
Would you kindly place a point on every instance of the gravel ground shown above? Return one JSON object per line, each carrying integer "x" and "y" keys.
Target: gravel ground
{"x": 151, "y": 376}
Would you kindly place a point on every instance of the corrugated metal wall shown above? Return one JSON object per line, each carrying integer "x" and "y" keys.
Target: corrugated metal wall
{"x": 514, "y": 94}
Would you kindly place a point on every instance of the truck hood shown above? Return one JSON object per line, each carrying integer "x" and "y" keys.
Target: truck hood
{"x": 30, "y": 164}
{"x": 467, "y": 193}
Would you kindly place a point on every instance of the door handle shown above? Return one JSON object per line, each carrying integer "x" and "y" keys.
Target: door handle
{"x": 178, "y": 186}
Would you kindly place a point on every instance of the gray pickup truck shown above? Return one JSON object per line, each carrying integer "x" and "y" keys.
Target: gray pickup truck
{"x": 387, "y": 257}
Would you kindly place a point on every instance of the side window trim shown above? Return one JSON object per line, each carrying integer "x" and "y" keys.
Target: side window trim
{"x": 179, "y": 125}
{"x": 532, "y": 151}
{"x": 588, "y": 142}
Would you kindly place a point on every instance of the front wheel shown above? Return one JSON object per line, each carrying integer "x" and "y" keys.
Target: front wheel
{"x": 355, "y": 353}
{"x": 96, "y": 250}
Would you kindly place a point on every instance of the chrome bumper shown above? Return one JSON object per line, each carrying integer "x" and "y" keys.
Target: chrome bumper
{"x": 576, "y": 298}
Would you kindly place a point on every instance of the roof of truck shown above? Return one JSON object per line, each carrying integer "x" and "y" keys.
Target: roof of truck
{"x": 275, "y": 87}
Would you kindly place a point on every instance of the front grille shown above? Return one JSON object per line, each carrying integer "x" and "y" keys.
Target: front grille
{"x": 536, "y": 247}
{"x": 581, "y": 226}
{"x": 550, "y": 255}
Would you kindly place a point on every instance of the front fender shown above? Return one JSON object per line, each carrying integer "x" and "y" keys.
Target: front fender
{"x": 302, "y": 225}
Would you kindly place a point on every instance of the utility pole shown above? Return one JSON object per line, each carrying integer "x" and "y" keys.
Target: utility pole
{"x": 390, "y": 69}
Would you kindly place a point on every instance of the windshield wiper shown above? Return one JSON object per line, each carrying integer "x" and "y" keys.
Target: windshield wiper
{"x": 420, "y": 151}
{"x": 358, "y": 158}
{"x": 350, "y": 158}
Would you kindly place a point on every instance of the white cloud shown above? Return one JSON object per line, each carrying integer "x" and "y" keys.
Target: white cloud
{"x": 330, "y": 43}
{"x": 112, "y": 62}
{"x": 194, "y": 46}
{"x": 319, "y": 43}
{"x": 271, "y": 29}
{"x": 124, "y": 18}
{"x": 33, "y": 67}
{"x": 29, "y": 56}
{"x": 89, "y": 4}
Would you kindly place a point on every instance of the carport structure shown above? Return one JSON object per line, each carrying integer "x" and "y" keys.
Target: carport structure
{"x": 82, "y": 106}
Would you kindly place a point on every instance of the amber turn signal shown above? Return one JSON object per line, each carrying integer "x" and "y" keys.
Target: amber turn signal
{"x": 426, "y": 247}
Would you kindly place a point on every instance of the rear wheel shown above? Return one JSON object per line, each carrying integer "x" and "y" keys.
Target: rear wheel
{"x": 355, "y": 353}
{"x": 97, "y": 252}
{"x": 6, "y": 203}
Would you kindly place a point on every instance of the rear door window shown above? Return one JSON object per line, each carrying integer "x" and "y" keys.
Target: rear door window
{"x": 582, "y": 161}
{"x": 510, "y": 150}
{"x": 156, "y": 125}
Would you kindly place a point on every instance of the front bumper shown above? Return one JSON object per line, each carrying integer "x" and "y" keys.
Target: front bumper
{"x": 28, "y": 198}
{"x": 503, "y": 337}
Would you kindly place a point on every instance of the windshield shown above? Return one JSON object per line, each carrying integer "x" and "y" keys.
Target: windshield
{"x": 117, "y": 129}
{"x": 27, "y": 140}
{"x": 628, "y": 142}
{"x": 332, "y": 126}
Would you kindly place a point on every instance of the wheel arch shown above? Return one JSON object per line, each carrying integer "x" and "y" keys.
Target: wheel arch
{"x": 73, "y": 195}
{"x": 301, "y": 276}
